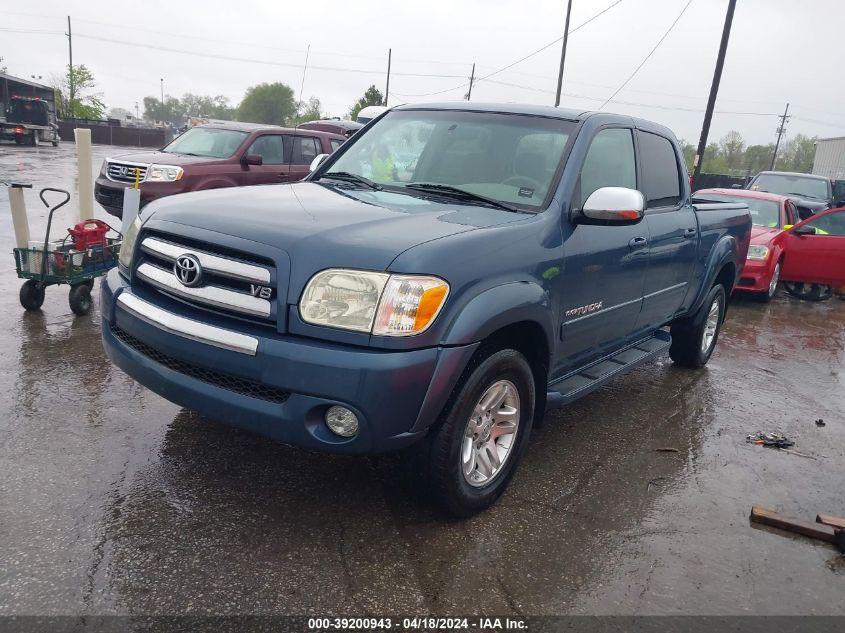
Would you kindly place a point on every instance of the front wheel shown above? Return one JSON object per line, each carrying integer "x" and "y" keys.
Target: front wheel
{"x": 483, "y": 432}
{"x": 770, "y": 294}
{"x": 694, "y": 339}
{"x": 79, "y": 299}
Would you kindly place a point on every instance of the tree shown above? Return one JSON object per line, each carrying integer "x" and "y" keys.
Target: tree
{"x": 714, "y": 161}
{"x": 80, "y": 105}
{"x": 170, "y": 111}
{"x": 732, "y": 146}
{"x": 268, "y": 103}
{"x": 120, "y": 113}
{"x": 797, "y": 154}
{"x": 688, "y": 150}
{"x": 310, "y": 111}
{"x": 3, "y": 68}
{"x": 216, "y": 107}
{"x": 371, "y": 97}
{"x": 758, "y": 158}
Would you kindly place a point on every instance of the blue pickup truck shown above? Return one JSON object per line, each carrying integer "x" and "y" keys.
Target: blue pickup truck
{"x": 436, "y": 284}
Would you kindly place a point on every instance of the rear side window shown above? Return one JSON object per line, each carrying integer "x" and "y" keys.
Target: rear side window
{"x": 609, "y": 162}
{"x": 335, "y": 144}
{"x": 661, "y": 174}
{"x": 303, "y": 149}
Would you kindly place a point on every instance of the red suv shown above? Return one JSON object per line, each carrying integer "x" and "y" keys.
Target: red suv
{"x": 213, "y": 156}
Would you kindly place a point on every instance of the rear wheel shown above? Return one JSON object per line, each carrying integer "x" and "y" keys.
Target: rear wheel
{"x": 31, "y": 295}
{"x": 694, "y": 339}
{"x": 470, "y": 458}
{"x": 808, "y": 292}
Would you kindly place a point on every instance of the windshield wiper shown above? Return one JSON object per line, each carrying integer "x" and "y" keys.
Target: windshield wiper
{"x": 457, "y": 192}
{"x": 350, "y": 177}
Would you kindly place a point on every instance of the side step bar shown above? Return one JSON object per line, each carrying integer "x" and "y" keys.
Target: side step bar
{"x": 589, "y": 378}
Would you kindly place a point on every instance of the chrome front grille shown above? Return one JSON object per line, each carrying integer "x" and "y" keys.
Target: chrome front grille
{"x": 210, "y": 280}
{"x": 125, "y": 172}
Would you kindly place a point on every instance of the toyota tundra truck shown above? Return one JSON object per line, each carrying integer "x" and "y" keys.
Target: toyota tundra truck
{"x": 435, "y": 285}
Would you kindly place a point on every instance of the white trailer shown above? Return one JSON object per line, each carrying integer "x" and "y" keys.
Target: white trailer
{"x": 830, "y": 158}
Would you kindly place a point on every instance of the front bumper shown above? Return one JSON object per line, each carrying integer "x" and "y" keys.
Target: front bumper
{"x": 109, "y": 193}
{"x": 756, "y": 275}
{"x": 282, "y": 389}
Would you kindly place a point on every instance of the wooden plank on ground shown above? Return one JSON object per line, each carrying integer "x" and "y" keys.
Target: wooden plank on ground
{"x": 805, "y": 528}
{"x": 826, "y": 519}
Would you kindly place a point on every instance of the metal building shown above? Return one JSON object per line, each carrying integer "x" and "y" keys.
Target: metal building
{"x": 830, "y": 158}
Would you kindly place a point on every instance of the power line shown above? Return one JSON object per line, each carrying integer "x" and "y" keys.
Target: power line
{"x": 259, "y": 61}
{"x": 519, "y": 61}
{"x": 647, "y": 57}
{"x": 817, "y": 122}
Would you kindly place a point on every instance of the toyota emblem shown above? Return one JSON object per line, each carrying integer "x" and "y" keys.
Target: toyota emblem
{"x": 188, "y": 270}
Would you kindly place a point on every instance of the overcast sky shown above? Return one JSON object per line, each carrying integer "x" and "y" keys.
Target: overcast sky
{"x": 780, "y": 51}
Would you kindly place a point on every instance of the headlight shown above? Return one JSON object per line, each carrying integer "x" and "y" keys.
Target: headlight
{"x": 344, "y": 299}
{"x": 104, "y": 167}
{"x": 758, "y": 252}
{"x": 391, "y": 305}
{"x": 164, "y": 173}
{"x": 127, "y": 248}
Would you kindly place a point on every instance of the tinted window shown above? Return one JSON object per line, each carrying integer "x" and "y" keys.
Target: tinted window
{"x": 661, "y": 175}
{"x": 610, "y": 162}
{"x": 335, "y": 144}
{"x": 304, "y": 150}
{"x": 270, "y": 148}
{"x": 830, "y": 224}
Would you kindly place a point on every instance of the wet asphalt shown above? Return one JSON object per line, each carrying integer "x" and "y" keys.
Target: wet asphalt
{"x": 115, "y": 501}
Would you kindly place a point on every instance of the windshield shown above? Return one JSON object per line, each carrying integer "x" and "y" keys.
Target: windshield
{"x": 508, "y": 158}
{"x": 204, "y": 141}
{"x": 789, "y": 185}
{"x": 763, "y": 212}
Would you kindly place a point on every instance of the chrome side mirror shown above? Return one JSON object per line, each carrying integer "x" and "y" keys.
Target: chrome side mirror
{"x": 318, "y": 159}
{"x": 614, "y": 205}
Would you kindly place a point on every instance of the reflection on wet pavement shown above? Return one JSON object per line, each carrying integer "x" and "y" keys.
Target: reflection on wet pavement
{"x": 116, "y": 501}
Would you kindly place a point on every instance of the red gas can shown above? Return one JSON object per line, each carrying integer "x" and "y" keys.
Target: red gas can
{"x": 88, "y": 234}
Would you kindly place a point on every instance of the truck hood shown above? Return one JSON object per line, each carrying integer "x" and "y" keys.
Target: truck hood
{"x": 164, "y": 158}
{"x": 320, "y": 226}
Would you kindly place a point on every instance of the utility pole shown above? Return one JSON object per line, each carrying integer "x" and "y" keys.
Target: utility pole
{"x": 781, "y": 128}
{"x": 387, "y": 88}
{"x": 471, "y": 79}
{"x": 563, "y": 53}
{"x": 136, "y": 112}
{"x": 714, "y": 90}
{"x": 71, "y": 92}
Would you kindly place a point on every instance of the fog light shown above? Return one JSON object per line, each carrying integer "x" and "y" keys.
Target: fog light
{"x": 342, "y": 421}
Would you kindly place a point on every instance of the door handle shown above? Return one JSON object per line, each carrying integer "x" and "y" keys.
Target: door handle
{"x": 638, "y": 242}
{"x": 688, "y": 233}
{"x": 283, "y": 176}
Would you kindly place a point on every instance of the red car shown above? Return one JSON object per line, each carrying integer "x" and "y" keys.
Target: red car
{"x": 211, "y": 156}
{"x": 815, "y": 255}
{"x": 770, "y": 214}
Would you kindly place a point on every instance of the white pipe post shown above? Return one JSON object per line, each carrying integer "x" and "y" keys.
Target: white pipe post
{"x": 19, "y": 219}
{"x": 85, "y": 170}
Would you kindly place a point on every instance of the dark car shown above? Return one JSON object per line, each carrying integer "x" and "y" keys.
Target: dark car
{"x": 811, "y": 193}
{"x": 434, "y": 284}
{"x": 213, "y": 156}
{"x": 336, "y": 126}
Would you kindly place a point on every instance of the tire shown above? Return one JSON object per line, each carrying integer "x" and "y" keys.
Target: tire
{"x": 32, "y": 295}
{"x": 34, "y": 142}
{"x": 695, "y": 338}
{"x": 89, "y": 283}
{"x": 808, "y": 292}
{"x": 55, "y": 143}
{"x": 772, "y": 292}
{"x": 79, "y": 299}
{"x": 449, "y": 449}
